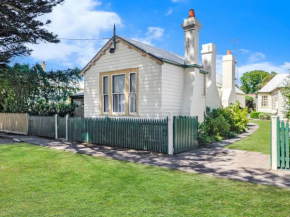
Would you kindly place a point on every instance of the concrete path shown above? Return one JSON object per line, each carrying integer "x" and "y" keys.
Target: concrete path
{"x": 212, "y": 160}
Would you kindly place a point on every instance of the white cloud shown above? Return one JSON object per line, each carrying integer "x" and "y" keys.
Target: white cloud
{"x": 153, "y": 33}
{"x": 256, "y": 57}
{"x": 169, "y": 12}
{"x": 75, "y": 20}
{"x": 266, "y": 66}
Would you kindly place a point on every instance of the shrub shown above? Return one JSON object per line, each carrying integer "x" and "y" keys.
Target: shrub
{"x": 265, "y": 116}
{"x": 255, "y": 115}
{"x": 222, "y": 123}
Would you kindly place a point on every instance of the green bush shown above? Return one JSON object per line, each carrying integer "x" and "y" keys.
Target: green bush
{"x": 222, "y": 123}
{"x": 255, "y": 115}
{"x": 265, "y": 116}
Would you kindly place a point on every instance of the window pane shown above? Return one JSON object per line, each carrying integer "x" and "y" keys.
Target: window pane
{"x": 105, "y": 85}
{"x": 133, "y": 82}
{"x": 106, "y": 103}
{"x": 119, "y": 103}
{"x": 119, "y": 84}
{"x": 132, "y": 102}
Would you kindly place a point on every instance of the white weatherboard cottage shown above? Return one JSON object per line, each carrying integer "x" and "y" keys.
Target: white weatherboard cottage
{"x": 130, "y": 78}
{"x": 270, "y": 98}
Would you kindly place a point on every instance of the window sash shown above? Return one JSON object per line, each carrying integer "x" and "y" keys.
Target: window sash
{"x": 264, "y": 101}
{"x": 132, "y": 94}
{"x": 105, "y": 94}
{"x": 119, "y": 103}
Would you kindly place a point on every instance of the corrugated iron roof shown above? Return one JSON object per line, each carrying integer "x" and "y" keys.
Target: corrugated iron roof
{"x": 154, "y": 51}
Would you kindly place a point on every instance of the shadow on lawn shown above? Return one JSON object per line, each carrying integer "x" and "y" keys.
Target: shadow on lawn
{"x": 212, "y": 160}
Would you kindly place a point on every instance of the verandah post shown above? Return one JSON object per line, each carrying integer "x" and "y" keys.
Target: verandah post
{"x": 170, "y": 134}
{"x": 274, "y": 144}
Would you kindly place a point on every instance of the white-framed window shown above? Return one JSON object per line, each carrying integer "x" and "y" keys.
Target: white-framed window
{"x": 105, "y": 94}
{"x": 264, "y": 101}
{"x": 118, "y": 93}
{"x": 132, "y": 94}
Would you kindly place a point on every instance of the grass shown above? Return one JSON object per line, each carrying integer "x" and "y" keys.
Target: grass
{"x": 37, "y": 181}
{"x": 259, "y": 141}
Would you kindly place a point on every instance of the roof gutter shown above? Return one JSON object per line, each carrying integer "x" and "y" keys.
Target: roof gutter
{"x": 186, "y": 66}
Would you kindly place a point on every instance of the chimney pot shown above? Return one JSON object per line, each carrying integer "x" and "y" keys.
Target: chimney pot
{"x": 229, "y": 52}
{"x": 191, "y": 13}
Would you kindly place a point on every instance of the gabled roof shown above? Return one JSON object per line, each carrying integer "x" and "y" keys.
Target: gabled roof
{"x": 153, "y": 52}
{"x": 156, "y": 52}
{"x": 280, "y": 80}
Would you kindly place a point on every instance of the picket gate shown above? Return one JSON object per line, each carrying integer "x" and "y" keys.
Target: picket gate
{"x": 185, "y": 133}
{"x": 280, "y": 149}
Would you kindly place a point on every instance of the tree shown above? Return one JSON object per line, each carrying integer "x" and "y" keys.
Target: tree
{"x": 30, "y": 89}
{"x": 286, "y": 94}
{"x": 253, "y": 80}
{"x": 269, "y": 78}
{"x": 19, "y": 26}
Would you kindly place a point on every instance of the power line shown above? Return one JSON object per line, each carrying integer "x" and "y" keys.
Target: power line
{"x": 84, "y": 39}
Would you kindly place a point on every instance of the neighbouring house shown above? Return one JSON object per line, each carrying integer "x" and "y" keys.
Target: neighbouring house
{"x": 270, "y": 98}
{"x": 132, "y": 79}
{"x": 241, "y": 96}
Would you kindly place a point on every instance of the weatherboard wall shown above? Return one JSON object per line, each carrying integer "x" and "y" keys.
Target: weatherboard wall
{"x": 172, "y": 88}
{"x": 149, "y": 80}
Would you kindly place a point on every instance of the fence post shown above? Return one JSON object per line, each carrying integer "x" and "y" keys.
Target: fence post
{"x": 55, "y": 125}
{"x": 170, "y": 134}
{"x": 274, "y": 144}
{"x": 66, "y": 127}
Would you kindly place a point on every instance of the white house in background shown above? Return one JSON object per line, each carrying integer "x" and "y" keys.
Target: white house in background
{"x": 130, "y": 78}
{"x": 270, "y": 98}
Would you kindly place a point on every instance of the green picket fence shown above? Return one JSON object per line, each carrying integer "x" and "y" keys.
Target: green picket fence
{"x": 61, "y": 127}
{"x": 283, "y": 149}
{"x": 142, "y": 134}
{"x": 185, "y": 132}
{"x": 43, "y": 126}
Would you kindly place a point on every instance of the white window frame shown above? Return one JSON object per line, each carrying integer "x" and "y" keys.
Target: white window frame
{"x": 263, "y": 104}
{"x": 112, "y": 80}
{"x": 132, "y": 113}
{"x": 103, "y": 98}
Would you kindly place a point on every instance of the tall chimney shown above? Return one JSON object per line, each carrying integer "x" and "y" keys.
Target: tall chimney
{"x": 228, "y": 89}
{"x": 208, "y": 55}
{"x": 191, "y": 27}
{"x": 43, "y": 66}
{"x": 193, "y": 97}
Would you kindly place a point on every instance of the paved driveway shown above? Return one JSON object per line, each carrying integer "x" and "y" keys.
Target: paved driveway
{"x": 213, "y": 160}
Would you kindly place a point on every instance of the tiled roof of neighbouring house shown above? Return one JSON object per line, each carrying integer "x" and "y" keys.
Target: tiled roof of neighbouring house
{"x": 154, "y": 51}
{"x": 280, "y": 80}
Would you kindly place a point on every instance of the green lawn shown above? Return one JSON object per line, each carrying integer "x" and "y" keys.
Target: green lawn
{"x": 37, "y": 181}
{"x": 259, "y": 141}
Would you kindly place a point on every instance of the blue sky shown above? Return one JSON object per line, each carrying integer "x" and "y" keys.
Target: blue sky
{"x": 262, "y": 27}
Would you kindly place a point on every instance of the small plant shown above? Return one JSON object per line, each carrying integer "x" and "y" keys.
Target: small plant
{"x": 255, "y": 115}
{"x": 265, "y": 116}
{"x": 222, "y": 123}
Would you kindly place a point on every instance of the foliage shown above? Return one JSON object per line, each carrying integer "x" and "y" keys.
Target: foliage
{"x": 20, "y": 25}
{"x": 253, "y": 80}
{"x": 265, "y": 116}
{"x": 30, "y": 89}
{"x": 223, "y": 123}
{"x": 269, "y": 77}
{"x": 259, "y": 141}
{"x": 255, "y": 115}
{"x": 250, "y": 103}
{"x": 286, "y": 94}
